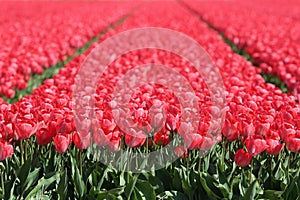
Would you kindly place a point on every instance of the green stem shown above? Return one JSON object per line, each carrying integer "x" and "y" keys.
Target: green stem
{"x": 80, "y": 162}
{"x": 22, "y": 152}
{"x": 223, "y": 157}
{"x": 50, "y": 150}
{"x": 25, "y": 150}
{"x": 147, "y": 150}
{"x": 188, "y": 168}
{"x": 288, "y": 168}
{"x": 122, "y": 161}
{"x": 199, "y": 165}
{"x": 271, "y": 171}
{"x": 251, "y": 171}
{"x": 2, "y": 183}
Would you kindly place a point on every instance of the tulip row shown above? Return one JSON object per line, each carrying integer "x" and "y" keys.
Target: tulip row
{"x": 35, "y": 36}
{"x": 258, "y": 114}
{"x": 269, "y": 34}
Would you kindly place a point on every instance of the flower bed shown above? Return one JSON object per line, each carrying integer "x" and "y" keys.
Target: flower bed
{"x": 250, "y": 159}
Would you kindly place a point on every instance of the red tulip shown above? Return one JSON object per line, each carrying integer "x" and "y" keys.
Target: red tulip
{"x": 6, "y": 149}
{"x": 108, "y": 125}
{"x": 114, "y": 140}
{"x": 135, "y": 139}
{"x": 229, "y": 131}
{"x": 100, "y": 138}
{"x": 81, "y": 141}
{"x": 172, "y": 122}
{"x": 193, "y": 141}
{"x": 43, "y": 136}
{"x": 8, "y": 131}
{"x": 207, "y": 143}
{"x": 157, "y": 120}
{"x": 181, "y": 151}
{"x": 114, "y": 145}
{"x": 63, "y": 127}
{"x": 256, "y": 145}
{"x": 293, "y": 143}
{"x": 161, "y": 138}
{"x": 25, "y": 129}
{"x": 62, "y": 142}
{"x": 242, "y": 158}
{"x": 274, "y": 146}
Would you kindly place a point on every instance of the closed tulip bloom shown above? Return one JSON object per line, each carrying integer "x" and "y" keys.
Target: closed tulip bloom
{"x": 43, "y": 136}
{"x": 274, "y": 146}
{"x": 81, "y": 141}
{"x": 242, "y": 158}
{"x": 6, "y": 149}
{"x": 293, "y": 143}
{"x": 62, "y": 142}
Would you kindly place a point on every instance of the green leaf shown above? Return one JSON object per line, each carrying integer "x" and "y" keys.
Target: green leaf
{"x": 146, "y": 190}
{"x": 101, "y": 195}
{"x": 173, "y": 195}
{"x": 176, "y": 181}
{"x": 2, "y": 167}
{"x": 230, "y": 177}
{"x": 280, "y": 173}
{"x": 263, "y": 174}
{"x": 251, "y": 191}
{"x": 155, "y": 182}
{"x": 24, "y": 171}
{"x": 165, "y": 177}
{"x": 63, "y": 185}
{"x": 10, "y": 191}
{"x": 223, "y": 184}
{"x": 187, "y": 188}
{"x": 79, "y": 183}
{"x": 130, "y": 187}
{"x": 136, "y": 195}
{"x": 271, "y": 194}
{"x": 111, "y": 194}
{"x": 102, "y": 178}
{"x": 80, "y": 187}
{"x": 41, "y": 197}
{"x": 292, "y": 187}
{"x": 32, "y": 178}
{"x": 207, "y": 184}
{"x": 42, "y": 183}
{"x": 116, "y": 191}
{"x": 122, "y": 179}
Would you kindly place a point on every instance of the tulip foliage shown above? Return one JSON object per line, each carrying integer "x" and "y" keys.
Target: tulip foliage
{"x": 47, "y": 151}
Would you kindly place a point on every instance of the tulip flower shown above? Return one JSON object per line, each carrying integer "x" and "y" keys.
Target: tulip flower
{"x": 62, "y": 142}
{"x": 181, "y": 151}
{"x": 274, "y": 146}
{"x": 256, "y": 145}
{"x": 242, "y": 158}
{"x": 6, "y": 150}
{"x": 293, "y": 143}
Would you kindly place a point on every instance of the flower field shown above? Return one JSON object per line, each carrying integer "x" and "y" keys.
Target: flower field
{"x": 272, "y": 42}
{"x": 62, "y": 139}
